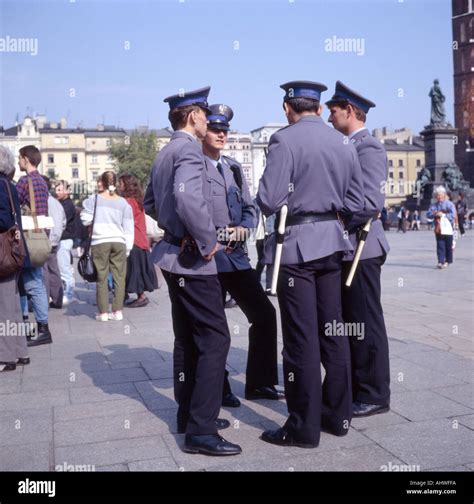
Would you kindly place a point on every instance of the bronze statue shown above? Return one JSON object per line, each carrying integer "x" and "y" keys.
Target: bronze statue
{"x": 438, "y": 113}
{"x": 453, "y": 178}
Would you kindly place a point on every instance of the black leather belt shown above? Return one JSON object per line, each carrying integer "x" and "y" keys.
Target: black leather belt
{"x": 174, "y": 240}
{"x": 295, "y": 220}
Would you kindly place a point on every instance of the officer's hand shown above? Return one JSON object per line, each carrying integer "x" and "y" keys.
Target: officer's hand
{"x": 237, "y": 233}
{"x": 211, "y": 254}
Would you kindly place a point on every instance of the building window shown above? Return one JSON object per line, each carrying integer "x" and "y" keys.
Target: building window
{"x": 51, "y": 173}
{"x": 418, "y": 162}
{"x": 74, "y": 158}
{"x": 61, "y": 140}
{"x": 400, "y": 175}
{"x": 94, "y": 159}
{"x": 401, "y": 187}
{"x": 246, "y": 157}
{"x": 75, "y": 173}
{"x": 390, "y": 163}
{"x": 400, "y": 162}
{"x": 247, "y": 173}
{"x": 390, "y": 175}
{"x": 463, "y": 32}
{"x": 95, "y": 174}
{"x": 50, "y": 158}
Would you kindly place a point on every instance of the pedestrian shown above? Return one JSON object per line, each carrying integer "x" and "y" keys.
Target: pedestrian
{"x": 361, "y": 302}
{"x": 112, "y": 240}
{"x": 316, "y": 172}
{"x": 179, "y": 198}
{"x": 444, "y": 214}
{"x": 141, "y": 274}
{"x": 233, "y": 214}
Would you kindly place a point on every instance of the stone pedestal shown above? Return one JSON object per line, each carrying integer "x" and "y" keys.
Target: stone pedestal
{"x": 439, "y": 149}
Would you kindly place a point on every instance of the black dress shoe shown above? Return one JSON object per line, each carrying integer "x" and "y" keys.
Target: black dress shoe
{"x": 42, "y": 338}
{"x": 360, "y": 409}
{"x": 138, "y": 303}
{"x": 267, "y": 392}
{"x": 23, "y": 361}
{"x": 221, "y": 424}
{"x": 211, "y": 444}
{"x": 328, "y": 428}
{"x": 230, "y": 400}
{"x": 282, "y": 437}
{"x": 7, "y": 366}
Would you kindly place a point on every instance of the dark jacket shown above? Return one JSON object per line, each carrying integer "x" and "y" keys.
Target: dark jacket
{"x": 6, "y": 215}
{"x": 70, "y": 211}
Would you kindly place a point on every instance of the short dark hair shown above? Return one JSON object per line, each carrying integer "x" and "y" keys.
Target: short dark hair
{"x": 300, "y": 105}
{"x": 178, "y": 116}
{"x": 32, "y": 153}
{"x": 359, "y": 113}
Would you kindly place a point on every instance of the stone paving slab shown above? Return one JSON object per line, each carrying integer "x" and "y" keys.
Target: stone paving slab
{"x": 428, "y": 443}
{"x": 119, "y": 413}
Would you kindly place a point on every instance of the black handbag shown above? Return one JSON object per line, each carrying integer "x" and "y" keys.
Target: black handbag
{"x": 86, "y": 266}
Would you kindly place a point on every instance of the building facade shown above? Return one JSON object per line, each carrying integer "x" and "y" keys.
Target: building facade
{"x": 463, "y": 63}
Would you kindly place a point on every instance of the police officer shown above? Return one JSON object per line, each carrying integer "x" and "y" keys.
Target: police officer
{"x": 361, "y": 302}
{"x": 312, "y": 170}
{"x": 233, "y": 214}
{"x": 176, "y": 196}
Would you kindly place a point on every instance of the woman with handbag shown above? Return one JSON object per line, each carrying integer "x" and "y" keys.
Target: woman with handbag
{"x": 112, "y": 233}
{"x": 444, "y": 214}
{"x": 141, "y": 274}
{"x": 13, "y": 346}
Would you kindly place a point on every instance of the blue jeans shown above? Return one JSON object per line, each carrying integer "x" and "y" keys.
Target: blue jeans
{"x": 66, "y": 268}
{"x": 34, "y": 286}
{"x": 444, "y": 248}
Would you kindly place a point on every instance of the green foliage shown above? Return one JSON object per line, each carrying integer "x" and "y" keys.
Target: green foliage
{"x": 135, "y": 155}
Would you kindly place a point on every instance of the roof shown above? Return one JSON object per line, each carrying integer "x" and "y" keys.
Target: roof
{"x": 416, "y": 146}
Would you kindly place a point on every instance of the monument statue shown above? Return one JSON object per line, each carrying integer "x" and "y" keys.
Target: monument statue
{"x": 438, "y": 113}
{"x": 453, "y": 178}
{"x": 424, "y": 176}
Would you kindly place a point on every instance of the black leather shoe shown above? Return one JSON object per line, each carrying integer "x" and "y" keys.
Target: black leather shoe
{"x": 221, "y": 424}
{"x": 360, "y": 409}
{"x": 23, "y": 361}
{"x": 264, "y": 393}
{"x": 230, "y": 401}
{"x": 330, "y": 429}
{"x": 138, "y": 303}
{"x": 211, "y": 444}
{"x": 282, "y": 437}
{"x": 43, "y": 337}
{"x": 7, "y": 366}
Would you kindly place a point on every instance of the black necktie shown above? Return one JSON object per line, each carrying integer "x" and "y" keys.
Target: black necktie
{"x": 220, "y": 170}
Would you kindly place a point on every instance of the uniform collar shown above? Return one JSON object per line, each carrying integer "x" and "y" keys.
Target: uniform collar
{"x": 310, "y": 118}
{"x": 183, "y": 134}
{"x": 354, "y": 133}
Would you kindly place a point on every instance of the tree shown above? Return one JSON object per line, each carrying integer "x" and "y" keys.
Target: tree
{"x": 135, "y": 155}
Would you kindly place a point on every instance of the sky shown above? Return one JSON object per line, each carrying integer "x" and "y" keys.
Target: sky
{"x": 114, "y": 61}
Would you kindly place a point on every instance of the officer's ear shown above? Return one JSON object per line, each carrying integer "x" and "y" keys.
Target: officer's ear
{"x": 320, "y": 110}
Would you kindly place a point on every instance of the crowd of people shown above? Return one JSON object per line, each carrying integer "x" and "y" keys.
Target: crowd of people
{"x": 119, "y": 242}
{"x": 201, "y": 199}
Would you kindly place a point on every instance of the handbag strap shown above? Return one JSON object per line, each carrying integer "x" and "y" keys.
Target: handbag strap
{"x": 9, "y": 190}
{"x": 92, "y": 225}
{"x": 33, "y": 205}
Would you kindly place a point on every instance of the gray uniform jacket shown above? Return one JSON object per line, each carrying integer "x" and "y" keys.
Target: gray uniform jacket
{"x": 231, "y": 206}
{"x": 312, "y": 169}
{"x": 176, "y": 195}
{"x": 373, "y": 161}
